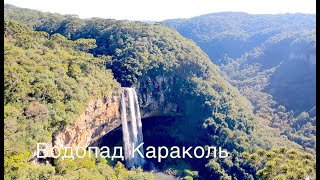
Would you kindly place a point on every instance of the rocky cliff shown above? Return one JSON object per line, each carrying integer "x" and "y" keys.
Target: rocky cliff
{"x": 155, "y": 97}
{"x": 99, "y": 117}
{"x": 102, "y": 115}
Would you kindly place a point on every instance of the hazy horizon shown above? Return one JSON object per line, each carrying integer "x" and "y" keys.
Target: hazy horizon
{"x": 143, "y": 10}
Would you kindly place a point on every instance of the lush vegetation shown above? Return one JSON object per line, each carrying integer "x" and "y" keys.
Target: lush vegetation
{"x": 281, "y": 88}
{"x": 51, "y": 74}
{"x": 269, "y": 59}
{"x": 282, "y": 163}
{"x": 232, "y": 34}
{"x": 48, "y": 81}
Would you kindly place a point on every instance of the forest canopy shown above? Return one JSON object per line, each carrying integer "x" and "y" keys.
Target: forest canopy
{"x": 55, "y": 64}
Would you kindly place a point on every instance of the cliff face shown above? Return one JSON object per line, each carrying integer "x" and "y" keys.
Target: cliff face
{"x": 102, "y": 115}
{"x": 99, "y": 117}
{"x": 293, "y": 84}
{"x": 155, "y": 97}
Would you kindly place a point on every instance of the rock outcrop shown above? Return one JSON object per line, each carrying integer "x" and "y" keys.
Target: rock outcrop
{"x": 102, "y": 115}
{"x": 155, "y": 97}
{"x": 99, "y": 117}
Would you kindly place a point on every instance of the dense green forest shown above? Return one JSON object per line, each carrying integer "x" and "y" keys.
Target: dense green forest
{"x": 48, "y": 81}
{"x": 271, "y": 60}
{"x": 55, "y": 64}
{"x": 233, "y": 34}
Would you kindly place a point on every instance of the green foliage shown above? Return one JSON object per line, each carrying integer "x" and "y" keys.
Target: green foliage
{"x": 232, "y": 34}
{"x": 189, "y": 175}
{"x": 140, "y": 51}
{"x": 50, "y": 76}
{"x": 34, "y": 171}
{"x": 63, "y": 166}
{"x": 270, "y": 59}
{"x": 122, "y": 173}
{"x": 46, "y": 88}
{"x": 282, "y": 163}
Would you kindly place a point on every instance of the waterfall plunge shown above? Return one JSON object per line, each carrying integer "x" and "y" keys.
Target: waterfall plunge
{"x": 131, "y": 127}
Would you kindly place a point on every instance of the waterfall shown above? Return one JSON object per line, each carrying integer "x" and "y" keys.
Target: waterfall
{"x": 131, "y": 127}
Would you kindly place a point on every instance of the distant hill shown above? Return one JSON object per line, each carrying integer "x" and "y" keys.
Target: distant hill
{"x": 270, "y": 58}
{"x": 234, "y": 33}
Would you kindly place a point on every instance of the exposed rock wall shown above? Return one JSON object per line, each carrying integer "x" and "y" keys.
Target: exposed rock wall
{"x": 102, "y": 115}
{"x": 99, "y": 117}
{"x": 155, "y": 97}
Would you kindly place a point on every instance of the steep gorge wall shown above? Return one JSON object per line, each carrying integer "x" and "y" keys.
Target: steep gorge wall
{"x": 99, "y": 117}
{"x": 293, "y": 84}
{"x": 156, "y": 97}
{"x": 102, "y": 115}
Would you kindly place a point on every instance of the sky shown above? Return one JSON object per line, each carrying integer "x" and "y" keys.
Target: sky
{"x": 158, "y": 10}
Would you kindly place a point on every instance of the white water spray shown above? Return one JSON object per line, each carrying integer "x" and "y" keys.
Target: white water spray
{"x": 131, "y": 127}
